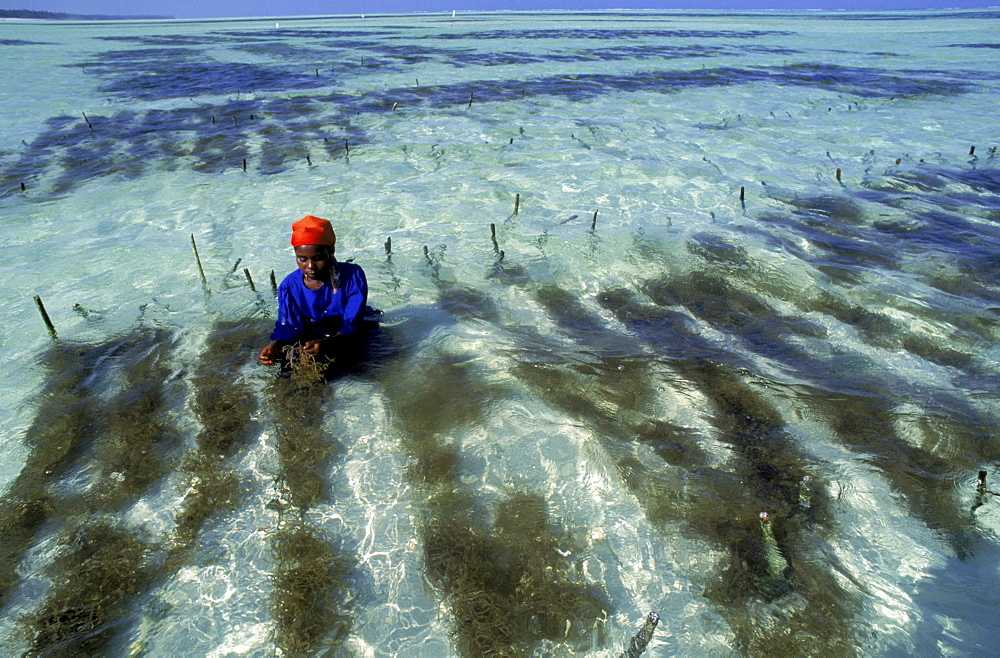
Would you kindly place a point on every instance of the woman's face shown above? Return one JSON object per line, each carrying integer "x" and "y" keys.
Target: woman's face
{"x": 314, "y": 261}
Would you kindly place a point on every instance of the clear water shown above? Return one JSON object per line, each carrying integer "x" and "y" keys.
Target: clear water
{"x": 657, "y": 376}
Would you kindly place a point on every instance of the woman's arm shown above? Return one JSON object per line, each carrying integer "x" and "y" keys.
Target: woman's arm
{"x": 289, "y": 326}
{"x": 286, "y": 328}
{"x": 356, "y": 298}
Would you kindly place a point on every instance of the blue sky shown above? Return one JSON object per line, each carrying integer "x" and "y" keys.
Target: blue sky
{"x": 224, "y": 8}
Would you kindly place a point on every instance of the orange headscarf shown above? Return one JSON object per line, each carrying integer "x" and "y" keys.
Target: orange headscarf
{"x": 312, "y": 230}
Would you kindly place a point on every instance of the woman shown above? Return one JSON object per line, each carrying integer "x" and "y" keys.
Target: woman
{"x": 321, "y": 305}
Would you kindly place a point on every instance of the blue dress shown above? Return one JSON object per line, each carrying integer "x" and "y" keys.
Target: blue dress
{"x": 305, "y": 314}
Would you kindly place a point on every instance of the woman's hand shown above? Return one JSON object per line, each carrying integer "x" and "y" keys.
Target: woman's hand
{"x": 269, "y": 353}
{"x": 314, "y": 347}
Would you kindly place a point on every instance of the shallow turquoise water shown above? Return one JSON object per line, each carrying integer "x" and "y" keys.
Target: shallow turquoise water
{"x": 792, "y": 270}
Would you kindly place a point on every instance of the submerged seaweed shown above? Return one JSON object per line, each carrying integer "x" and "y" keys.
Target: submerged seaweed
{"x": 508, "y": 587}
{"x": 312, "y": 592}
{"x": 303, "y": 447}
{"x": 132, "y": 454}
{"x": 94, "y": 580}
{"x": 123, "y": 436}
{"x": 720, "y": 506}
{"x": 512, "y": 587}
{"x": 62, "y": 426}
{"x": 223, "y": 403}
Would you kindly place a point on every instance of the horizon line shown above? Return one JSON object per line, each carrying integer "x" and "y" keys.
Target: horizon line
{"x": 454, "y": 13}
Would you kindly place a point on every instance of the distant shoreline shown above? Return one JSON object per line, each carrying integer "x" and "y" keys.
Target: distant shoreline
{"x": 28, "y": 14}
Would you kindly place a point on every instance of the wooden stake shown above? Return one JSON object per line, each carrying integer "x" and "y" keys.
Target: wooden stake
{"x": 493, "y": 237}
{"x": 388, "y": 246}
{"x": 45, "y": 316}
{"x": 471, "y": 94}
{"x": 92, "y": 128}
{"x": 593, "y": 222}
{"x": 244, "y": 164}
{"x": 201, "y": 271}
{"x": 838, "y": 174}
{"x": 249, "y": 279}
{"x": 23, "y": 188}
{"x": 742, "y": 193}
{"x": 308, "y": 160}
{"x": 972, "y": 150}
{"x": 274, "y": 283}
{"x": 517, "y": 202}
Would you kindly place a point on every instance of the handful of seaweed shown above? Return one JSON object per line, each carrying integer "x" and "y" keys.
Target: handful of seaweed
{"x": 304, "y": 368}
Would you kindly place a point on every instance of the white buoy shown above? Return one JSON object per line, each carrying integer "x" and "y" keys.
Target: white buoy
{"x": 277, "y": 25}
{"x": 453, "y": 13}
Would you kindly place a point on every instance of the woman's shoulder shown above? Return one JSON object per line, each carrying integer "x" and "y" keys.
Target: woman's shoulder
{"x": 348, "y": 266}
{"x": 292, "y": 281}
{"x": 349, "y": 270}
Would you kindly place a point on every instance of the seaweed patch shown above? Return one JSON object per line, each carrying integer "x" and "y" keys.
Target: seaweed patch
{"x": 297, "y": 403}
{"x": 63, "y": 428}
{"x": 132, "y": 454}
{"x": 312, "y": 591}
{"x": 512, "y": 587}
{"x": 223, "y": 402}
{"x": 95, "y": 579}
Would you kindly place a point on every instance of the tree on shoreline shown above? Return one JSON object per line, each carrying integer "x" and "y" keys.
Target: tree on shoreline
{"x": 55, "y": 16}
